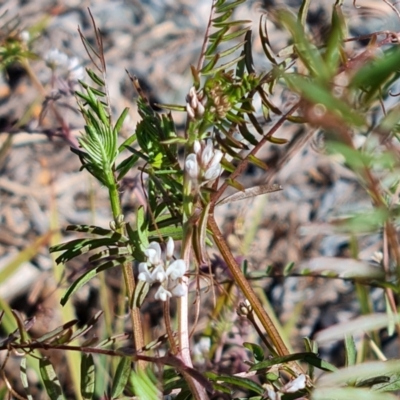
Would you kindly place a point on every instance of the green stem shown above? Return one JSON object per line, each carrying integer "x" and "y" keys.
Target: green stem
{"x": 128, "y": 275}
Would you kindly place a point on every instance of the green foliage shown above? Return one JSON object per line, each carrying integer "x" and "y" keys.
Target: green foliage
{"x": 50, "y": 380}
{"x": 221, "y": 111}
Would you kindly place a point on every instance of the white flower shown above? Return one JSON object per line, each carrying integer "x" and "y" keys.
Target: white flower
{"x": 204, "y": 165}
{"x": 55, "y": 58}
{"x": 203, "y": 346}
{"x": 162, "y": 294}
{"x": 196, "y": 146}
{"x": 176, "y": 269}
{"x": 178, "y": 290}
{"x": 153, "y": 253}
{"x": 192, "y": 166}
{"x": 156, "y": 275}
{"x": 170, "y": 248}
{"x": 25, "y": 36}
{"x": 207, "y": 154}
{"x": 213, "y": 172}
{"x": 169, "y": 274}
{"x": 75, "y": 70}
{"x": 295, "y": 385}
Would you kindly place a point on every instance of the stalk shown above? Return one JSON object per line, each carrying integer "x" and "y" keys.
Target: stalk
{"x": 248, "y": 291}
{"x": 129, "y": 279}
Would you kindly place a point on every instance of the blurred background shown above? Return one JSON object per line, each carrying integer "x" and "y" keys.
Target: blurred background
{"x": 42, "y": 189}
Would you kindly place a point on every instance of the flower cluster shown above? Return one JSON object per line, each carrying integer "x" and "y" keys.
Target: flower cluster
{"x": 168, "y": 273}
{"x": 204, "y": 165}
{"x": 70, "y": 66}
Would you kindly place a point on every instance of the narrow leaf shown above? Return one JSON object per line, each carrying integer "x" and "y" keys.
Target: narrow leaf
{"x": 24, "y": 378}
{"x": 250, "y": 192}
{"x": 87, "y": 376}
{"x": 83, "y": 279}
{"x": 121, "y": 376}
{"x": 50, "y": 380}
{"x": 229, "y": 6}
{"x": 222, "y": 67}
{"x": 351, "y": 351}
{"x": 244, "y": 383}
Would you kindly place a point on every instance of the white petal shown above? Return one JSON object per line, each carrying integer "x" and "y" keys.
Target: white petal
{"x": 153, "y": 253}
{"x": 55, "y": 58}
{"x": 158, "y": 274}
{"x": 213, "y": 173}
{"x": 193, "y": 97}
{"x": 196, "y": 146}
{"x": 177, "y": 269}
{"x": 200, "y": 110}
{"x": 295, "y": 385}
{"x": 178, "y": 290}
{"x": 191, "y": 166}
{"x": 218, "y": 154}
{"x": 190, "y": 111}
{"x": 162, "y": 294}
{"x": 144, "y": 274}
{"x": 170, "y": 248}
{"x": 207, "y": 154}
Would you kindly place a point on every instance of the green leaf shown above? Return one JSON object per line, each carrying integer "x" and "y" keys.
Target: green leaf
{"x": 87, "y": 276}
{"x": 356, "y": 159}
{"x": 229, "y": 6}
{"x": 121, "y": 376}
{"x": 222, "y": 67}
{"x": 87, "y": 376}
{"x": 391, "y": 385}
{"x": 288, "y": 268}
{"x": 374, "y": 74}
{"x": 360, "y": 372}
{"x": 308, "y": 53}
{"x": 243, "y": 383}
{"x": 334, "y": 45}
{"x": 95, "y": 78}
{"x": 223, "y": 17}
{"x": 49, "y": 336}
{"x": 303, "y": 11}
{"x": 233, "y": 35}
{"x": 24, "y": 378}
{"x": 50, "y": 380}
{"x": 351, "y": 351}
{"x": 263, "y": 32}
{"x": 363, "y": 323}
{"x": 307, "y": 356}
{"x": 318, "y": 94}
{"x": 77, "y": 247}
{"x": 335, "y": 393}
{"x": 97, "y": 230}
{"x": 144, "y": 385}
{"x": 366, "y": 221}
{"x": 319, "y": 363}
{"x": 257, "y": 162}
{"x": 227, "y": 52}
{"x": 258, "y": 352}
{"x": 124, "y": 166}
{"x": 120, "y": 121}
{"x": 247, "y": 134}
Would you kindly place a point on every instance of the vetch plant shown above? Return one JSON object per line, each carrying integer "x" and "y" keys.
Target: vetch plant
{"x": 223, "y": 134}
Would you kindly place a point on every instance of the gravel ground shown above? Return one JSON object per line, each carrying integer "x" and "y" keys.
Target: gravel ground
{"x": 157, "y": 40}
